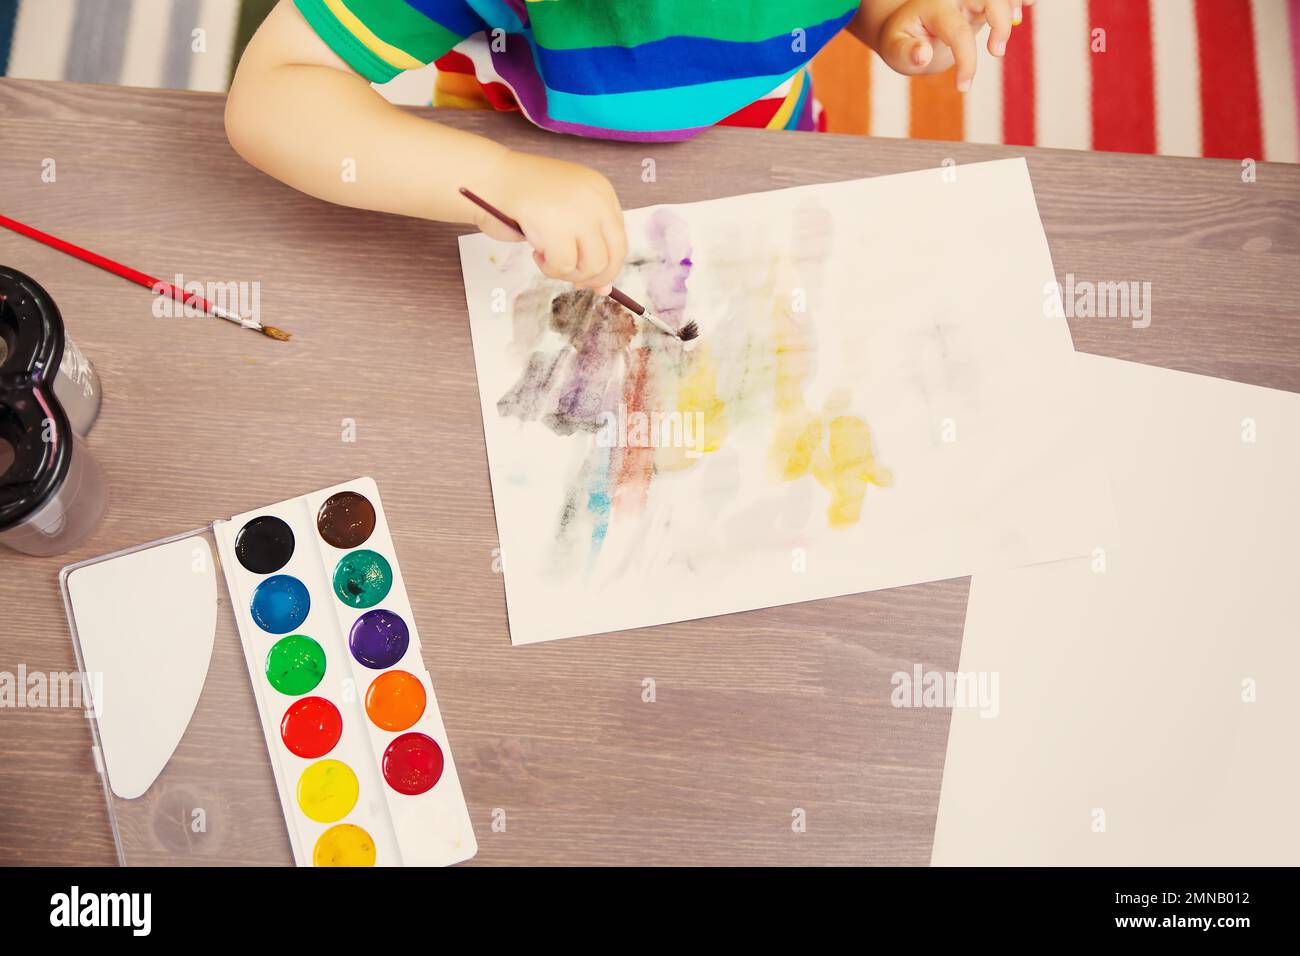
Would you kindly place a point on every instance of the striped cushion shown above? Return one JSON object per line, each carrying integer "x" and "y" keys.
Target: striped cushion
{"x": 1179, "y": 77}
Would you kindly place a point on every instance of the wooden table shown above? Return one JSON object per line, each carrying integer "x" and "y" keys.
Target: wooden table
{"x": 755, "y": 714}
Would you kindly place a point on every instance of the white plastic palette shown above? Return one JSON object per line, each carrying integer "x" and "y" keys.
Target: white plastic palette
{"x": 408, "y": 807}
{"x": 185, "y": 708}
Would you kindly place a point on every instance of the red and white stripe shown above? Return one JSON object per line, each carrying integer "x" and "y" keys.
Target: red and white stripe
{"x": 1181, "y": 77}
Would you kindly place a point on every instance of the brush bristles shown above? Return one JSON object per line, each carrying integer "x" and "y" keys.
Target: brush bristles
{"x": 688, "y": 332}
{"x": 270, "y": 331}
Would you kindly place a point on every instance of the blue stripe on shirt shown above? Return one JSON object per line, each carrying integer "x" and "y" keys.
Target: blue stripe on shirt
{"x": 456, "y": 15}
{"x": 677, "y": 62}
{"x": 674, "y": 108}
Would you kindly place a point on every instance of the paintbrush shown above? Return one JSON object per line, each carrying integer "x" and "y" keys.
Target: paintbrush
{"x": 141, "y": 278}
{"x": 686, "y": 333}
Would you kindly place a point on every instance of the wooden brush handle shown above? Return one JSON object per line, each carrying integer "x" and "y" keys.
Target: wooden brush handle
{"x": 618, "y": 295}
{"x": 626, "y": 301}
{"x": 492, "y": 211}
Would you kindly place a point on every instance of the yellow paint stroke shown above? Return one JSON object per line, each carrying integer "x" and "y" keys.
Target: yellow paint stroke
{"x": 702, "y": 412}
{"x": 845, "y": 467}
{"x": 835, "y": 446}
{"x": 794, "y": 361}
{"x": 798, "y": 431}
{"x": 794, "y": 444}
{"x": 698, "y": 392}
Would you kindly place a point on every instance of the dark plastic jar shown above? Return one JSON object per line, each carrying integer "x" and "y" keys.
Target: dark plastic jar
{"x": 52, "y": 492}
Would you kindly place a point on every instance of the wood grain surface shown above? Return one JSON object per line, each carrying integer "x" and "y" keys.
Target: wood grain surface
{"x": 755, "y": 714}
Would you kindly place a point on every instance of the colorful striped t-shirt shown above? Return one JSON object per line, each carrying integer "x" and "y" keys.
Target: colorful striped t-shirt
{"x": 653, "y": 70}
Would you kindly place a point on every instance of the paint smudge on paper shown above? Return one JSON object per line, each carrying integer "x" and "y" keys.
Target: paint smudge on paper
{"x": 834, "y": 445}
{"x": 633, "y": 463}
{"x": 566, "y": 387}
{"x": 650, "y": 409}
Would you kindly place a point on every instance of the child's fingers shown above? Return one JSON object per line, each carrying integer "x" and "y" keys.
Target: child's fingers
{"x": 903, "y": 50}
{"x": 616, "y": 244}
{"x": 593, "y": 258}
{"x": 951, "y": 27}
{"x": 998, "y": 13}
{"x": 920, "y": 54}
{"x": 557, "y": 258}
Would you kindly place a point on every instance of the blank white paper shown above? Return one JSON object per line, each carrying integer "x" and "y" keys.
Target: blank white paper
{"x": 1145, "y": 713}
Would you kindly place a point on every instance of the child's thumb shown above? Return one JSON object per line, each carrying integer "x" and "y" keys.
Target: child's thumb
{"x": 905, "y": 52}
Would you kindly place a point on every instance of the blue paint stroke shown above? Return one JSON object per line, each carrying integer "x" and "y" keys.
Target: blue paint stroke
{"x": 599, "y": 503}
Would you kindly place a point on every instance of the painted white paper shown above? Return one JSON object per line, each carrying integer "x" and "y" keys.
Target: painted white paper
{"x": 878, "y": 397}
{"x": 1144, "y": 713}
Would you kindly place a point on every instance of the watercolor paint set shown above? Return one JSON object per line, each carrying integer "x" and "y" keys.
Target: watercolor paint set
{"x": 287, "y": 718}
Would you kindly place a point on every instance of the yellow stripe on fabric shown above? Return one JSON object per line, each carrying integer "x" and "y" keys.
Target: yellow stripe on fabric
{"x": 783, "y": 114}
{"x": 385, "y": 51}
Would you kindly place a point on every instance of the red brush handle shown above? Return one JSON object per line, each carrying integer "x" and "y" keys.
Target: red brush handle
{"x": 108, "y": 265}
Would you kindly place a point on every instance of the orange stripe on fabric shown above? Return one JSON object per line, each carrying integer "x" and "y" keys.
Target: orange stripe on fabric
{"x": 842, "y": 78}
{"x": 937, "y": 111}
{"x": 452, "y": 102}
{"x": 458, "y": 84}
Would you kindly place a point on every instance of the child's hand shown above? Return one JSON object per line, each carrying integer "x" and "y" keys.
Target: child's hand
{"x": 928, "y": 36}
{"x": 569, "y": 213}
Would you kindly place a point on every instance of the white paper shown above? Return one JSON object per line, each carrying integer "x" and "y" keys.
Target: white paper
{"x": 146, "y": 622}
{"x": 1145, "y": 708}
{"x": 905, "y": 314}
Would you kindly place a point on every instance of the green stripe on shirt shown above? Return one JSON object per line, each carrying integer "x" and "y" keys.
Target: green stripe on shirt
{"x": 391, "y": 21}
{"x": 574, "y": 24}
{"x": 405, "y": 28}
{"x": 349, "y": 48}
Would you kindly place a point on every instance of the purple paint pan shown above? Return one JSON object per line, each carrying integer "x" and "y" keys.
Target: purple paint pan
{"x": 379, "y": 639}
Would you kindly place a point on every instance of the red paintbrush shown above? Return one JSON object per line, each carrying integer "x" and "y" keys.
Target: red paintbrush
{"x": 140, "y": 278}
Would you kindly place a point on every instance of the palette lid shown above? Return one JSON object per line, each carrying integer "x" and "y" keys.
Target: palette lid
{"x": 145, "y": 626}
{"x": 177, "y": 738}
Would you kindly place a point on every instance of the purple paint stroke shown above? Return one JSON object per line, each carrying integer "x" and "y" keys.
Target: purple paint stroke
{"x": 581, "y": 405}
{"x": 571, "y": 389}
{"x": 670, "y": 237}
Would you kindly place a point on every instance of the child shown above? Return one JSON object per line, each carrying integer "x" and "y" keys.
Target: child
{"x": 654, "y": 70}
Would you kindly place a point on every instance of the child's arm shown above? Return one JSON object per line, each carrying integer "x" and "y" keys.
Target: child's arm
{"x": 299, "y": 113}
{"x": 928, "y": 36}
